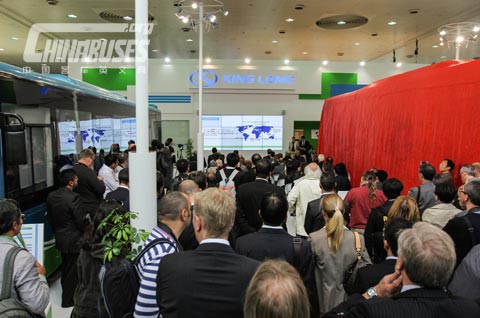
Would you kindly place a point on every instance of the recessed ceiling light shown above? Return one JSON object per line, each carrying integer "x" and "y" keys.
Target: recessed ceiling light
{"x": 392, "y": 23}
{"x": 443, "y": 32}
{"x": 128, "y": 18}
{"x": 443, "y": 57}
{"x": 434, "y": 46}
{"x": 286, "y": 61}
{"x": 72, "y": 16}
{"x": 356, "y": 44}
{"x": 341, "y": 22}
{"x": 476, "y": 28}
{"x": 274, "y": 41}
{"x": 362, "y": 63}
{"x": 304, "y": 52}
{"x": 399, "y": 64}
{"x": 247, "y": 61}
{"x": 325, "y": 62}
{"x": 208, "y": 60}
{"x": 154, "y": 50}
{"x": 14, "y": 38}
{"x": 167, "y": 60}
{"x": 1, "y": 49}
{"x": 189, "y": 40}
{"x": 194, "y": 5}
{"x": 289, "y": 20}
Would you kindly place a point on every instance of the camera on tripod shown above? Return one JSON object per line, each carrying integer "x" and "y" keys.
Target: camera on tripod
{"x": 180, "y": 146}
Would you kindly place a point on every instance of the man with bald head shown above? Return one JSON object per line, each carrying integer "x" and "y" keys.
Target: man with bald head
{"x": 187, "y": 238}
{"x": 210, "y": 281}
{"x": 304, "y": 191}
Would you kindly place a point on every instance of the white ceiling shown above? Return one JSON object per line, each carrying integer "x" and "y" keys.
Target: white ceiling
{"x": 252, "y": 25}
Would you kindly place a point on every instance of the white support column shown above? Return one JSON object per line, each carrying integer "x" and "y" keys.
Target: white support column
{"x": 142, "y": 164}
{"x": 200, "y": 91}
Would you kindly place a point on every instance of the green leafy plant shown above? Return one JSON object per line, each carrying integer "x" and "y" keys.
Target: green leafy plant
{"x": 121, "y": 235}
{"x": 189, "y": 146}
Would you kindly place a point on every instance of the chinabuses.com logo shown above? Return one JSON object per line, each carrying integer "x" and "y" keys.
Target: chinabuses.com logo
{"x": 76, "y": 50}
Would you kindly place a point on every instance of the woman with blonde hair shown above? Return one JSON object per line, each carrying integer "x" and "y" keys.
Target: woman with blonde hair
{"x": 405, "y": 207}
{"x": 276, "y": 290}
{"x": 334, "y": 250}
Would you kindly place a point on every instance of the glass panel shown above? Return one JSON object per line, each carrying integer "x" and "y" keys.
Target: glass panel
{"x": 42, "y": 157}
{"x": 30, "y": 114}
{"x": 73, "y": 138}
{"x": 25, "y": 171}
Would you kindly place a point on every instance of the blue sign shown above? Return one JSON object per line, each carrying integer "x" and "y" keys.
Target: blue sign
{"x": 209, "y": 78}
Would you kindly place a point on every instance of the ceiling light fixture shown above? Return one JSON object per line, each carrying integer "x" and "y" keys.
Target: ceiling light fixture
{"x": 14, "y": 38}
{"x": 208, "y": 60}
{"x": 304, "y": 52}
{"x": 289, "y": 20}
{"x": 154, "y": 50}
{"x": 190, "y": 13}
{"x": 224, "y": 11}
{"x": 434, "y": 46}
{"x": 362, "y": 63}
{"x": 325, "y": 62}
{"x": 392, "y": 23}
{"x": 274, "y": 41}
{"x": 167, "y": 60}
{"x": 189, "y": 40}
{"x": 399, "y": 64}
{"x": 127, "y": 18}
{"x": 286, "y": 61}
{"x": 72, "y": 16}
{"x": 2, "y": 49}
{"x": 356, "y": 44}
{"x": 247, "y": 61}
{"x": 341, "y": 22}
{"x": 459, "y": 35}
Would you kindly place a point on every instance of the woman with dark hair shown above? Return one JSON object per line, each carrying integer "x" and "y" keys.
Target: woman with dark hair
{"x": 89, "y": 262}
{"x": 362, "y": 200}
{"x": 341, "y": 177}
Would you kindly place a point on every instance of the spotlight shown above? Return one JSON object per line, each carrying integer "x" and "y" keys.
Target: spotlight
{"x": 212, "y": 18}
{"x": 194, "y": 5}
{"x": 325, "y": 62}
{"x": 362, "y": 63}
{"x": 224, "y": 11}
{"x": 185, "y": 19}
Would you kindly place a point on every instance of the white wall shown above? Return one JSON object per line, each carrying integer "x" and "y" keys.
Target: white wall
{"x": 173, "y": 79}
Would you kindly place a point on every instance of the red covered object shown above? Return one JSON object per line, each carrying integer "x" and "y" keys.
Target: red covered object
{"x": 393, "y": 124}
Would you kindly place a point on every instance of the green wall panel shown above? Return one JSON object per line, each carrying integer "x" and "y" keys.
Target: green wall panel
{"x": 329, "y": 79}
{"x": 114, "y": 79}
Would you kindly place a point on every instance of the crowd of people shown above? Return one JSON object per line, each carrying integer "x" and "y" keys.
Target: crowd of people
{"x": 267, "y": 236}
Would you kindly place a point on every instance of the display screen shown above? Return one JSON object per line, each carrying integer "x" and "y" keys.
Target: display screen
{"x": 99, "y": 133}
{"x": 242, "y": 132}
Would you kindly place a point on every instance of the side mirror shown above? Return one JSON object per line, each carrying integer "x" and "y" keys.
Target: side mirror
{"x": 13, "y": 137}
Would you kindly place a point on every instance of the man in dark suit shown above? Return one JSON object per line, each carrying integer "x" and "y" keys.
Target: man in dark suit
{"x": 249, "y": 197}
{"x": 122, "y": 193}
{"x": 67, "y": 219}
{"x": 369, "y": 276}
{"x": 90, "y": 187}
{"x": 465, "y": 231}
{"x": 272, "y": 242}
{"x": 314, "y": 220}
{"x": 210, "y": 281}
{"x": 304, "y": 147}
{"x": 378, "y": 217}
{"x": 417, "y": 289}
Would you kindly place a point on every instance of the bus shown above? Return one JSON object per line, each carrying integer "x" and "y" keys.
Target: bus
{"x": 44, "y": 117}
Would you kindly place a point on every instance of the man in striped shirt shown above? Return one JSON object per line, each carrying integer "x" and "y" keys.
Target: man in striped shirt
{"x": 173, "y": 217}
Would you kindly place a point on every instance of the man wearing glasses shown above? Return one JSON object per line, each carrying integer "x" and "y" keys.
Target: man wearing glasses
{"x": 465, "y": 230}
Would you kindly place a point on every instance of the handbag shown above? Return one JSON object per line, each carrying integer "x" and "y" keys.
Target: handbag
{"x": 351, "y": 272}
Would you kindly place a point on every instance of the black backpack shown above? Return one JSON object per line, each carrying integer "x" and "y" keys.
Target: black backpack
{"x": 120, "y": 282}
{"x": 11, "y": 307}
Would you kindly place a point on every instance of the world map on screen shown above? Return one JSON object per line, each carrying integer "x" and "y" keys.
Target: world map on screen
{"x": 248, "y": 131}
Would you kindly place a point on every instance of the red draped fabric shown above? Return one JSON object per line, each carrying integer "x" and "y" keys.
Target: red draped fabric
{"x": 393, "y": 124}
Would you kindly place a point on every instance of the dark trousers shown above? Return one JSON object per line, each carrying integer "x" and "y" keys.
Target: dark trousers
{"x": 69, "y": 278}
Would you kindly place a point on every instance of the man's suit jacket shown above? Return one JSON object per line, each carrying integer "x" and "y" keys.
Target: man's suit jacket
{"x": 369, "y": 276}
{"x": 374, "y": 231}
{"x": 314, "y": 220}
{"x": 89, "y": 187}
{"x": 66, "y": 215}
{"x": 210, "y": 281}
{"x": 278, "y": 244}
{"x": 249, "y": 197}
{"x": 458, "y": 231}
{"x": 121, "y": 194}
{"x": 427, "y": 195}
{"x": 415, "y": 303}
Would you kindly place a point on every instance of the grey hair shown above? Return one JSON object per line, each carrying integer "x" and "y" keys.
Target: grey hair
{"x": 472, "y": 188}
{"x": 428, "y": 255}
{"x": 468, "y": 170}
{"x": 312, "y": 170}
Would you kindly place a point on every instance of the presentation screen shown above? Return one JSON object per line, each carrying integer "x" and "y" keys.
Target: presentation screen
{"x": 242, "y": 132}
{"x": 100, "y": 133}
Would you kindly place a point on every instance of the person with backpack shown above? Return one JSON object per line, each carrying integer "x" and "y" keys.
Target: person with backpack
{"x": 228, "y": 176}
{"x": 90, "y": 260}
{"x": 183, "y": 169}
{"x": 173, "y": 216}
{"x": 24, "y": 288}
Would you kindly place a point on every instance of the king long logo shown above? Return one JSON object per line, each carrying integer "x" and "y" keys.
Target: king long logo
{"x": 209, "y": 78}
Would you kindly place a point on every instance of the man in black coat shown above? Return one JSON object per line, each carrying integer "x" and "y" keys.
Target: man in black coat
{"x": 314, "y": 220}
{"x": 417, "y": 289}
{"x": 249, "y": 197}
{"x": 369, "y": 276}
{"x": 273, "y": 242}
{"x": 210, "y": 281}
{"x": 67, "y": 218}
{"x": 122, "y": 193}
{"x": 378, "y": 217}
{"x": 465, "y": 230}
{"x": 90, "y": 187}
